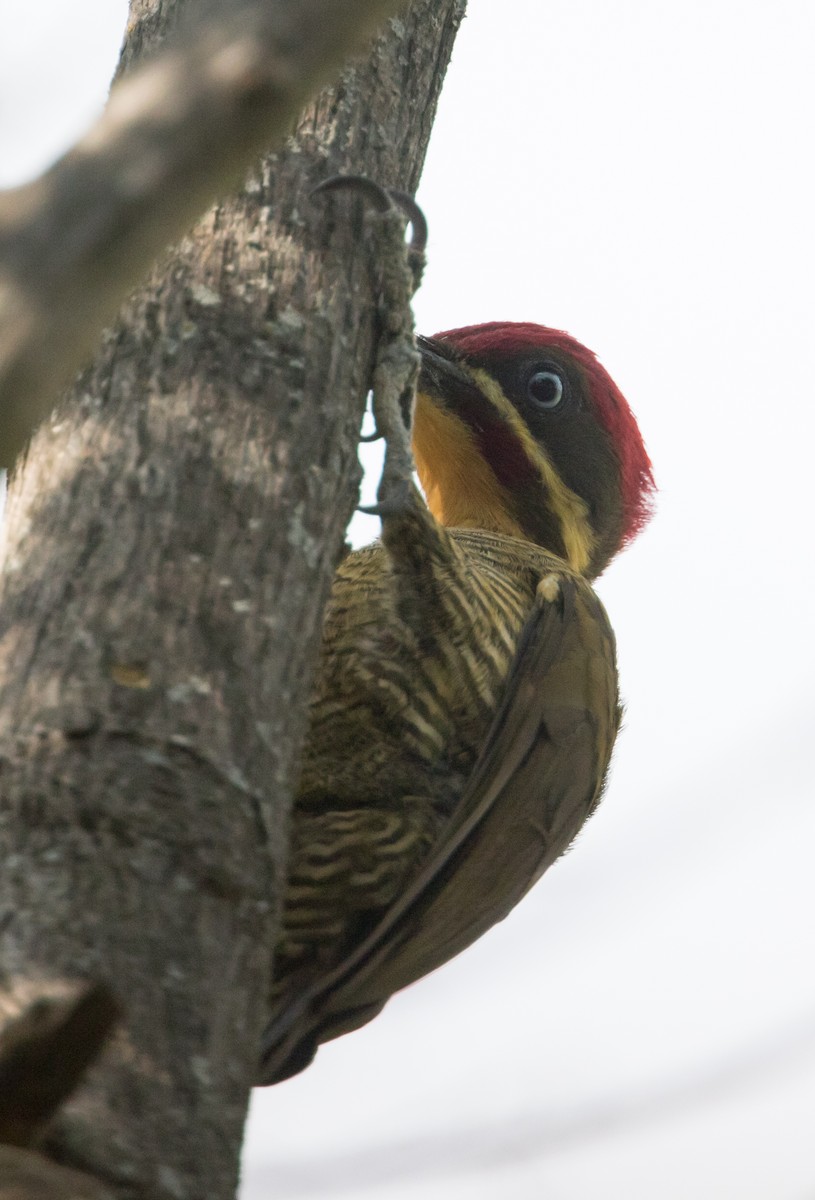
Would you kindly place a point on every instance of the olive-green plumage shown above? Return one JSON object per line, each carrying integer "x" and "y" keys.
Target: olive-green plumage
{"x": 413, "y": 667}
{"x": 405, "y": 703}
{"x": 466, "y": 702}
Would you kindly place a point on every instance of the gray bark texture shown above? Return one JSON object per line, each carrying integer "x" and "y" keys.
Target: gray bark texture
{"x": 226, "y": 84}
{"x": 170, "y": 540}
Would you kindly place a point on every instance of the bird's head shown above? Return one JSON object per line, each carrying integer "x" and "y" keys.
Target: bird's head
{"x": 519, "y": 429}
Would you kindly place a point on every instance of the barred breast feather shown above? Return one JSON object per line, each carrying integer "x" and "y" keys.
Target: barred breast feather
{"x": 406, "y": 693}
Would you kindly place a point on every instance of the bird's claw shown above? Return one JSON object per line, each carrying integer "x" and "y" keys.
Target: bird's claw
{"x": 397, "y": 360}
{"x": 395, "y": 498}
{"x": 383, "y": 199}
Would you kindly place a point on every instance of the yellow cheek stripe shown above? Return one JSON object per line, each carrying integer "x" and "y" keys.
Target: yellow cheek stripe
{"x": 460, "y": 486}
{"x": 571, "y": 510}
{"x": 462, "y": 490}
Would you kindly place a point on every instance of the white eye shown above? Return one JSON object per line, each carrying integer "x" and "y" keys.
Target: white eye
{"x": 545, "y": 389}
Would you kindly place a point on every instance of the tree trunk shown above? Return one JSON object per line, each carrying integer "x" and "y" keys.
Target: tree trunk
{"x": 170, "y": 539}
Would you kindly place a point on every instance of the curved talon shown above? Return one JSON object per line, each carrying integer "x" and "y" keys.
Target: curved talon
{"x": 371, "y": 437}
{"x": 383, "y": 508}
{"x": 361, "y": 183}
{"x": 415, "y": 216}
{"x": 382, "y": 199}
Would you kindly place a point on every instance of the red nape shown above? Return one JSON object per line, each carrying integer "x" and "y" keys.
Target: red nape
{"x": 510, "y": 338}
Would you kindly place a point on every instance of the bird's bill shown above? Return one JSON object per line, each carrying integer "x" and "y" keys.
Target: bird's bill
{"x": 441, "y": 378}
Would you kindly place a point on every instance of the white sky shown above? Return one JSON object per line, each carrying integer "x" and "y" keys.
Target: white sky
{"x": 644, "y": 1024}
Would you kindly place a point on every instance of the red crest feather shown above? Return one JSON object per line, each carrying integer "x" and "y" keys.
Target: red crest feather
{"x": 510, "y": 338}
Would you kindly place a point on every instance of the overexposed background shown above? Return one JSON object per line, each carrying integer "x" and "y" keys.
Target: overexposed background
{"x": 644, "y": 1024}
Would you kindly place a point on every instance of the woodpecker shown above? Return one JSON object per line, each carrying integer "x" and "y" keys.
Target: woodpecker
{"x": 466, "y": 703}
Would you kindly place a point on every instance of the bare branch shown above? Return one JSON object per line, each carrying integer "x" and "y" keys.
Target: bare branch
{"x": 43, "y": 1054}
{"x": 168, "y": 547}
{"x": 26, "y": 1175}
{"x": 176, "y": 134}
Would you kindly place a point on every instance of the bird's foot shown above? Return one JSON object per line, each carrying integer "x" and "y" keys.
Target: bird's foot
{"x": 396, "y": 370}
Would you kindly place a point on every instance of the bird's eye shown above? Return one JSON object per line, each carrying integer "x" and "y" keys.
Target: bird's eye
{"x": 545, "y": 389}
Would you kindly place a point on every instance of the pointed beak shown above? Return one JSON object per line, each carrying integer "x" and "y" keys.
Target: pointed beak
{"x": 441, "y": 378}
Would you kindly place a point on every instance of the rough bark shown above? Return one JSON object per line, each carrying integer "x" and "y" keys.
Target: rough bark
{"x": 178, "y": 133}
{"x": 169, "y": 543}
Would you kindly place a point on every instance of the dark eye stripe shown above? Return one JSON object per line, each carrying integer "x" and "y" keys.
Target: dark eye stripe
{"x": 501, "y": 449}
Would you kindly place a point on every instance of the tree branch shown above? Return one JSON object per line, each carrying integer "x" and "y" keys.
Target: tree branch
{"x": 169, "y": 542}
{"x": 177, "y": 133}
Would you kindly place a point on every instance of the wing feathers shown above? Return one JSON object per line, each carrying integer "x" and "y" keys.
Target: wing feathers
{"x": 539, "y": 776}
